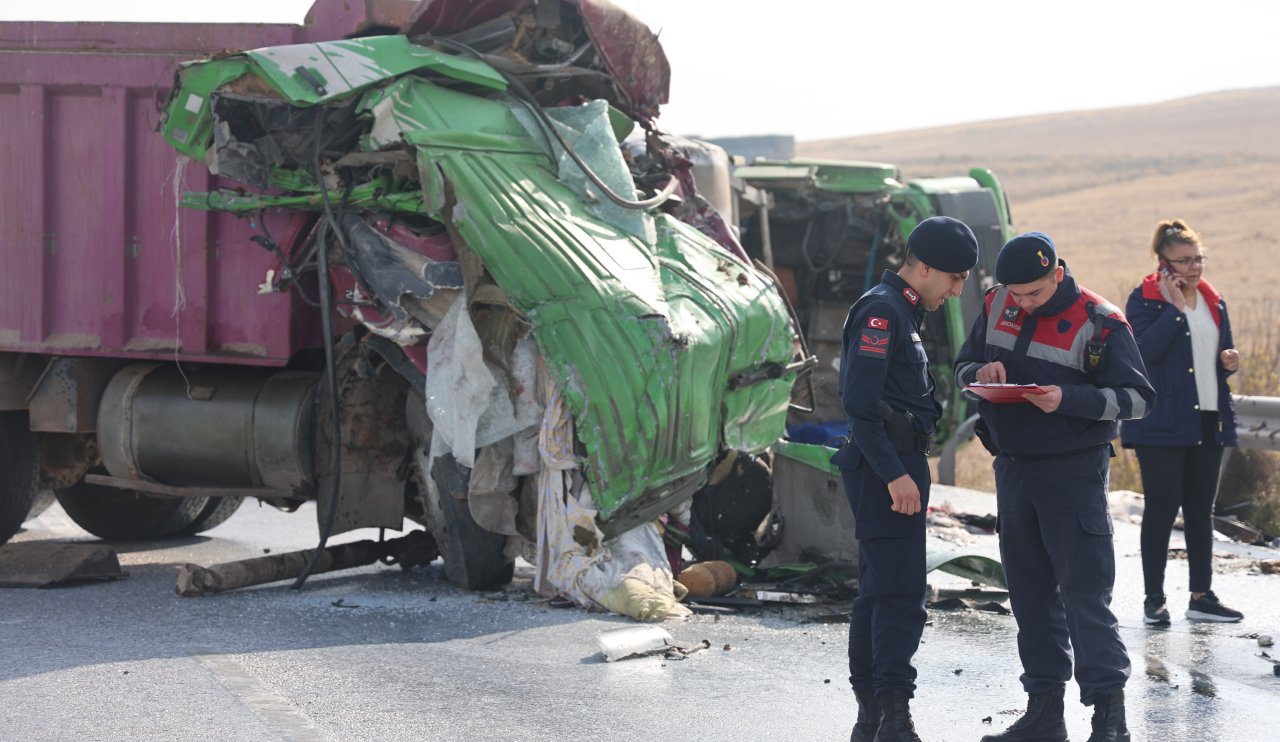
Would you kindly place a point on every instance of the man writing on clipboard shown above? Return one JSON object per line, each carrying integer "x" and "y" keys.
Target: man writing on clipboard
{"x": 1052, "y": 461}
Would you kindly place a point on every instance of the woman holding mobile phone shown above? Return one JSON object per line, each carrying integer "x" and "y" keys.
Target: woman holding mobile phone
{"x": 1184, "y": 336}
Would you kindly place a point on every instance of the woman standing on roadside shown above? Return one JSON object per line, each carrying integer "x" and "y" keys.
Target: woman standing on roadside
{"x": 1184, "y": 337}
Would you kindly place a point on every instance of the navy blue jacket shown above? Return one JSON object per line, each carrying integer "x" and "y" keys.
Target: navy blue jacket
{"x": 1047, "y": 347}
{"x": 883, "y": 358}
{"x": 1165, "y": 343}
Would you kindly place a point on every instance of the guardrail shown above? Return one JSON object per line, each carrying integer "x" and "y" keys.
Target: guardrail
{"x": 1258, "y": 422}
{"x": 1258, "y": 427}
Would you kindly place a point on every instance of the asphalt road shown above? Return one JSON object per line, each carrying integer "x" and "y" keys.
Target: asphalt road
{"x": 377, "y": 653}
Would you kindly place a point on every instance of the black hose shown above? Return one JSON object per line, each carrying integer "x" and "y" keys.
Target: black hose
{"x": 331, "y": 366}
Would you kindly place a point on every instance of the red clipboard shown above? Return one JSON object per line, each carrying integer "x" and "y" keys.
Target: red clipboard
{"x": 1004, "y": 393}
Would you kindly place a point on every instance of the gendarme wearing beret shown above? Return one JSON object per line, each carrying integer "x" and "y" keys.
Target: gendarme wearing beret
{"x": 1028, "y": 257}
{"x": 944, "y": 244}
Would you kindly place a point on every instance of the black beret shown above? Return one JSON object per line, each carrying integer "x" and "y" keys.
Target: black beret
{"x": 944, "y": 244}
{"x": 1026, "y": 258}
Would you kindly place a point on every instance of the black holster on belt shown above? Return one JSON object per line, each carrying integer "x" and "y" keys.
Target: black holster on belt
{"x": 983, "y": 434}
{"x": 902, "y": 432}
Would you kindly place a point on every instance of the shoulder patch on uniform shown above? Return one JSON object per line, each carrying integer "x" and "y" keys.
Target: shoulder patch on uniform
{"x": 873, "y": 343}
{"x": 878, "y": 323}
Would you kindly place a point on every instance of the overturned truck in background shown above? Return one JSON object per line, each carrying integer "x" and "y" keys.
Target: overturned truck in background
{"x": 829, "y": 228}
{"x": 410, "y": 273}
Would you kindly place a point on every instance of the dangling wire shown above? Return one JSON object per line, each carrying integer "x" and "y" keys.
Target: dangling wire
{"x": 331, "y": 366}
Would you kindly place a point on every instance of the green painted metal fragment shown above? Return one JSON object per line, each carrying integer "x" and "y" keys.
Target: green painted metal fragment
{"x": 370, "y": 196}
{"x": 818, "y": 457}
{"x": 307, "y": 75}
{"x": 188, "y": 122}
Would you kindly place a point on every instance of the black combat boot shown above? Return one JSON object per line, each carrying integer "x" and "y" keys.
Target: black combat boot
{"x": 864, "y": 729}
{"x": 895, "y": 717}
{"x": 1042, "y": 722}
{"x": 1108, "y": 719}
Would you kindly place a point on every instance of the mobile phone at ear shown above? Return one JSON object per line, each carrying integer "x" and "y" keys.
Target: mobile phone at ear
{"x": 1166, "y": 271}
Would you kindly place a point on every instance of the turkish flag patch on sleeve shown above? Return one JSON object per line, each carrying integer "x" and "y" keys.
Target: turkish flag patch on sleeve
{"x": 878, "y": 323}
{"x": 873, "y": 343}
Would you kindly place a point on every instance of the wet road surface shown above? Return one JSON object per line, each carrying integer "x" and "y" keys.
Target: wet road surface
{"x": 406, "y": 656}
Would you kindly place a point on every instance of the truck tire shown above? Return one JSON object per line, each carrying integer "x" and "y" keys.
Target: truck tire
{"x": 473, "y": 557}
{"x": 123, "y": 515}
{"x": 19, "y": 473}
{"x": 213, "y": 515}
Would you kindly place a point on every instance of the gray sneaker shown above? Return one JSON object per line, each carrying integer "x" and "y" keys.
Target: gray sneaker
{"x": 1207, "y": 608}
{"x": 1156, "y": 614}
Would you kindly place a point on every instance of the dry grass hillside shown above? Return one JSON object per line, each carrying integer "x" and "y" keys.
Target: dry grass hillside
{"x": 1097, "y": 181}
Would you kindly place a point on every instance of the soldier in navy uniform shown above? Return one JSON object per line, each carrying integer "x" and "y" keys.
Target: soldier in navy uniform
{"x": 1052, "y": 462}
{"x": 887, "y": 393}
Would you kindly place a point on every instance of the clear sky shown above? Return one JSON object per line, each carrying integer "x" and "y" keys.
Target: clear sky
{"x": 831, "y": 68}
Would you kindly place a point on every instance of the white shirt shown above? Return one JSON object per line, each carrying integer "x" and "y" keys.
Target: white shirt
{"x": 1204, "y": 353}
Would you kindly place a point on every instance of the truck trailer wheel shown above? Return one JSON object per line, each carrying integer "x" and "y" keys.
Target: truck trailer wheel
{"x": 473, "y": 557}
{"x": 19, "y": 473}
{"x": 124, "y": 515}
{"x": 213, "y": 515}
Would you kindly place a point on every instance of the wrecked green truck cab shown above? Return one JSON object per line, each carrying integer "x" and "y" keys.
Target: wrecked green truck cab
{"x": 668, "y": 346}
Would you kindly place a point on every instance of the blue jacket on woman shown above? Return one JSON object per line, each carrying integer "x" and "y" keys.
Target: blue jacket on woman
{"x": 1164, "y": 340}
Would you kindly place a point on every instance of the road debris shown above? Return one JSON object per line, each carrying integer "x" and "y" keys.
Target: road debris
{"x": 415, "y": 549}
{"x": 643, "y": 641}
{"x": 46, "y": 564}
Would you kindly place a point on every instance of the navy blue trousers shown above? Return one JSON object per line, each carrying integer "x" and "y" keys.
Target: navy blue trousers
{"x": 1059, "y": 561}
{"x": 888, "y": 614}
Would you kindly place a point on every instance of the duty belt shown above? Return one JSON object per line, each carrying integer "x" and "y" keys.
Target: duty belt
{"x": 901, "y": 429}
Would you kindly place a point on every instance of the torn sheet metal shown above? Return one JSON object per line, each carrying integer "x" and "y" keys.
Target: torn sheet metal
{"x": 306, "y": 75}
{"x": 681, "y": 314}
{"x": 630, "y": 67}
{"x": 47, "y": 564}
{"x": 589, "y": 131}
{"x": 394, "y": 272}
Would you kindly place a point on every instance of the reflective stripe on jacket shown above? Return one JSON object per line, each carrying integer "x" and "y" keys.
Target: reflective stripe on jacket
{"x": 1048, "y": 347}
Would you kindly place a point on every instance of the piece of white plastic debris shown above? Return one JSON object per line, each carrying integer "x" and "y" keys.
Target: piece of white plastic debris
{"x": 632, "y": 641}
{"x": 1264, "y": 641}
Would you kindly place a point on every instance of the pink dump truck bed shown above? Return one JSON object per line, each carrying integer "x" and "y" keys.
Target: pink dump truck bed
{"x": 95, "y": 258}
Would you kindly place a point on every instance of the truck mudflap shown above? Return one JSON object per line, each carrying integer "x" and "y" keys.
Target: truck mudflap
{"x": 455, "y": 204}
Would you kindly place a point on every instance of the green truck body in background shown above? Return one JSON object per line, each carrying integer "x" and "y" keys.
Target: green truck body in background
{"x": 829, "y": 228}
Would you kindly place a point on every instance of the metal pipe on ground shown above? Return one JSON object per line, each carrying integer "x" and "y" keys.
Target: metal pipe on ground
{"x": 415, "y": 549}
